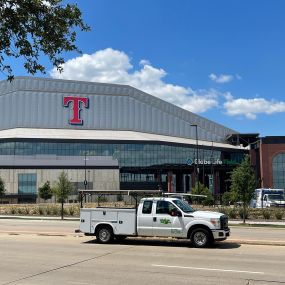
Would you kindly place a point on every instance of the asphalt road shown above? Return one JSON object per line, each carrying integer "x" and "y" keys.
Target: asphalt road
{"x": 36, "y": 260}
{"x": 50, "y": 227}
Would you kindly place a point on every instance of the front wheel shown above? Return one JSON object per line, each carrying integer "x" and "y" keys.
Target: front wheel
{"x": 104, "y": 234}
{"x": 201, "y": 238}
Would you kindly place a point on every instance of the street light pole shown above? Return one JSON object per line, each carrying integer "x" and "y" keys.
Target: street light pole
{"x": 85, "y": 179}
{"x": 197, "y": 156}
{"x": 85, "y": 183}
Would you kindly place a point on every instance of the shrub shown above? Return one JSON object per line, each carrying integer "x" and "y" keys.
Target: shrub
{"x": 73, "y": 210}
{"x": 13, "y": 210}
{"x": 232, "y": 213}
{"x": 266, "y": 214}
{"x": 66, "y": 211}
{"x": 20, "y": 211}
{"x": 279, "y": 214}
{"x": 254, "y": 214}
{"x": 26, "y": 210}
{"x": 224, "y": 210}
{"x": 48, "y": 210}
{"x": 103, "y": 199}
{"x": 246, "y": 213}
{"x": 41, "y": 210}
{"x": 55, "y": 210}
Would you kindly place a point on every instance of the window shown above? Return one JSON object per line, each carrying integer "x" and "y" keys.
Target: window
{"x": 27, "y": 183}
{"x": 278, "y": 170}
{"x": 164, "y": 207}
{"x": 147, "y": 207}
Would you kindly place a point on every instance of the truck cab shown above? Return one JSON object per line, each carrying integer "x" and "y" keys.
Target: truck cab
{"x": 273, "y": 200}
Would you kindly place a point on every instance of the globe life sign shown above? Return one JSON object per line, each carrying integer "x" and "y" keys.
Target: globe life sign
{"x": 203, "y": 161}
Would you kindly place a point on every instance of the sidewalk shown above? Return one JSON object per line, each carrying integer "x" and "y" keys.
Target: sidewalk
{"x": 257, "y": 222}
{"x": 51, "y": 218}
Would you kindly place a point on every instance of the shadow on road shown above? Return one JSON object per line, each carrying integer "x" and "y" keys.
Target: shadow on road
{"x": 166, "y": 242}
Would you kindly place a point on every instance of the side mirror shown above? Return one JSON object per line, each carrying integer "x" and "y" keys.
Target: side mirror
{"x": 179, "y": 214}
{"x": 175, "y": 213}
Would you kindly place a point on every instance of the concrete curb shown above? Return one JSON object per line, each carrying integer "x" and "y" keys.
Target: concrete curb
{"x": 256, "y": 242}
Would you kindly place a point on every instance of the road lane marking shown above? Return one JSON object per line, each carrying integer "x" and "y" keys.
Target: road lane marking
{"x": 207, "y": 269}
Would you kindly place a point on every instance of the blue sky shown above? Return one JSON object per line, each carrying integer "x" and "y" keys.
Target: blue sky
{"x": 224, "y": 60}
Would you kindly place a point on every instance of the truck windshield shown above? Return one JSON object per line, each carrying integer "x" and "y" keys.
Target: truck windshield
{"x": 183, "y": 206}
{"x": 275, "y": 197}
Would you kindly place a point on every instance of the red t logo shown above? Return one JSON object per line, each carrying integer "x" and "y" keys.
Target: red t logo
{"x": 76, "y": 108}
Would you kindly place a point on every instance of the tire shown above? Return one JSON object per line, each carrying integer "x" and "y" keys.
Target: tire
{"x": 120, "y": 238}
{"x": 201, "y": 238}
{"x": 104, "y": 234}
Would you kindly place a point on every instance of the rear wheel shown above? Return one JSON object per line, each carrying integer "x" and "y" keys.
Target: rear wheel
{"x": 104, "y": 234}
{"x": 201, "y": 238}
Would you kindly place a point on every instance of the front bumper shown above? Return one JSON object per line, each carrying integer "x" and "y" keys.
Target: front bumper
{"x": 220, "y": 235}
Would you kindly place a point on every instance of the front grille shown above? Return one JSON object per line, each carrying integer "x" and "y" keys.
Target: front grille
{"x": 224, "y": 222}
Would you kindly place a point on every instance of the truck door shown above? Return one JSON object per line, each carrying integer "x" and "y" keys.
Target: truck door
{"x": 163, "y": 223}
{"x": 145, "y": 219}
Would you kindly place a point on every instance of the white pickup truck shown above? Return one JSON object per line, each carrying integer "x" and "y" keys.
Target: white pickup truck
{"x": 159, "y": 217}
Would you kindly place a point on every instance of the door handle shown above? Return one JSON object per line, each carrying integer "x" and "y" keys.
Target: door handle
{"x": 154, "y": 219}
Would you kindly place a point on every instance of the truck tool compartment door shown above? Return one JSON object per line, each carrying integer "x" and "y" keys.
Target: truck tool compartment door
{"x": 101, "y": 215}
{"x": 85, "y": 225}
{"x": 163, "y": 223}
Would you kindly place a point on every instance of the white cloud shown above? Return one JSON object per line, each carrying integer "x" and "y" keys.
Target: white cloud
{"x": 113, "y": 66}
{"x": 251, "y": 107}
{"x": 222, "y": 78}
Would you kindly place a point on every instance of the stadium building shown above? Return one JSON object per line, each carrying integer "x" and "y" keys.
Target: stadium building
{"x": 107, "y": 137}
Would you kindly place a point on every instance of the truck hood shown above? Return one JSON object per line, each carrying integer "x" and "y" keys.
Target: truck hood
{"x": 206, "y": 214}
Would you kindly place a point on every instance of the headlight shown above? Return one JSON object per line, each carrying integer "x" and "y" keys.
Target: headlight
{"x": 216, "y": 223}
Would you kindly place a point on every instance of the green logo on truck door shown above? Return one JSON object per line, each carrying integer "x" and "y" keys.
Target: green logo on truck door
{"x": 165, "y": 221}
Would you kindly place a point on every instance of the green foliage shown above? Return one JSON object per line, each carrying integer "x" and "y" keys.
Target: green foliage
{"x": 45, "y": 191}
{"x": 30, "y": 28}
{"x": 227, "y": 198}
{"x": 102, "y": 199}
{"x": 62, "y": 189}
{"x": 13, "y": 210}
{"x": 266, "y": 214}
{"x": 2, "y": 187}
{"x": 279, "y": 214}
{"x": 243, "y": 182}
{"x": 243, "y": 213}
{"x": 201, "y": 189}
{"x": 232, "y": 213}
{"x": 41, "y": 210}
{"x": 223, "y": 210}
{"x": 55, "y": 210}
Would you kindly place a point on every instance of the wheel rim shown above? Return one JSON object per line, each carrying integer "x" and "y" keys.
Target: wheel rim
{"x": 104, "y": 235}
{"x": 200, "y": 238}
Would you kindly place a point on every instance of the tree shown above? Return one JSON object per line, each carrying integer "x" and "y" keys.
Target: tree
{"x": 243, "y": 183}
{"x": 30, "y": 28}
{"x": 45, "y": 191}
{"x": 202, "y": 190}
{"x": 2, "y": 188}
{"x": 62, "y": 189}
